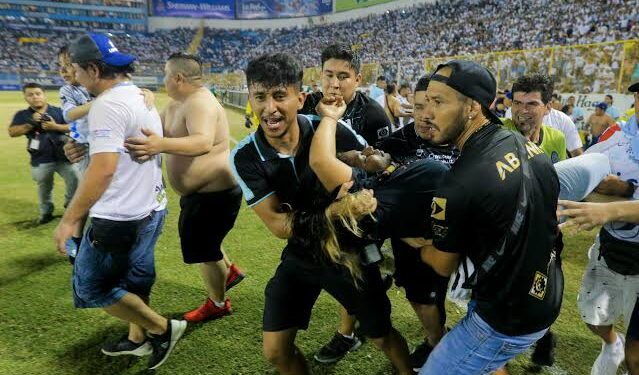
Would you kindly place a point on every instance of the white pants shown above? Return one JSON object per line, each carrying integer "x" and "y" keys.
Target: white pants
{"x": 605, "y": 295}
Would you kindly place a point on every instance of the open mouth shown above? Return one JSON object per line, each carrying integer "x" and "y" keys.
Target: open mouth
{"x": 273, "y": 123}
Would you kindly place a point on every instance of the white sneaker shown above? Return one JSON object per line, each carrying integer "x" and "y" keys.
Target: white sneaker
{"x": 610, "y": 358}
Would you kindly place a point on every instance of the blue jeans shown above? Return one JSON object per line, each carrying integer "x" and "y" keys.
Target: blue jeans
{"x": 101, "y": 278}
{"x": 579, "y": 176}
{"x": 43, "y": 175}
{"x": 472, "y": 347}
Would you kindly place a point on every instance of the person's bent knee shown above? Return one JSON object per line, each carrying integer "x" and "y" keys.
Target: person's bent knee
{"x": 278, "y": 354}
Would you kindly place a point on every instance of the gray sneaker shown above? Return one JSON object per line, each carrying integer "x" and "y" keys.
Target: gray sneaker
{"x": 337, "y": 348}
{"x": 163, "y": 344}
{"x": 124, "y": 346}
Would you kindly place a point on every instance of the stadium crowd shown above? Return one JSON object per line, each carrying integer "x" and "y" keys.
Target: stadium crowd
{"x": 35, "y": 57}
{"x": 308, "y": 169}
{"x": 418, "y": 32}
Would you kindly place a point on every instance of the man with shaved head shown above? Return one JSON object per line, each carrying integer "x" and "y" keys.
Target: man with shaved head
{"x": 495, "y": 207}
{"x": 197, "y": 143}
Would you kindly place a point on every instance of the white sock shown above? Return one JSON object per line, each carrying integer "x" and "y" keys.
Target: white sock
{"x": 218, "y": 304}
{"x": 351, "y": 336}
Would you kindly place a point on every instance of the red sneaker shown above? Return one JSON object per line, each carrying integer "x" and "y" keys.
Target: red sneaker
{"x": 208, "y": 311}
{"x": 234, "y": 276}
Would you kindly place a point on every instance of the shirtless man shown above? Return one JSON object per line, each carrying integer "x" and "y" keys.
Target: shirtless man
{"x": 197, "y": 145}
{"x": 599, "y": 121}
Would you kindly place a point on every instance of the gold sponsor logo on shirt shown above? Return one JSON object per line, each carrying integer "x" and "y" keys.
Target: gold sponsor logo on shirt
{"x": 438, "y": 209}
{"x": 539, "y": 285}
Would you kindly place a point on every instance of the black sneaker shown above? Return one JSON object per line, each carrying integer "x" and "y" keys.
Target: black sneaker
{"x": 337, "y": 348}
{"x": 45, "y": 219}
{"x": 124, "y": 346}
{"x": 544, "y": 353}
{"x": 163, "y": 344}
{"x": 419, "y": 356}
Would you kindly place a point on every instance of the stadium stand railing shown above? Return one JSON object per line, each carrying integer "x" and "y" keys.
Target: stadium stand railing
{"x": 590, "y": 68}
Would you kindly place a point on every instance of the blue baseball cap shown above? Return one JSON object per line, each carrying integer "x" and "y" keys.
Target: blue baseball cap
{"x": 95, "y": 46}
{"x": 602, "y": 105}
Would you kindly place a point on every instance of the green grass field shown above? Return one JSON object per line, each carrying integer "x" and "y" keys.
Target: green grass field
{"x": 41, "y": 332}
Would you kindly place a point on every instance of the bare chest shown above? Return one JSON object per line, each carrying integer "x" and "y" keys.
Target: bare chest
{"x": 176, "y": 123}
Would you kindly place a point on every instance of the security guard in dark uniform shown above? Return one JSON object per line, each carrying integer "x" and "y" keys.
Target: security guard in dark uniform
{"x": 496, "y": 206}
{"x": 425, "y": 289}
{"x": 341, "y": 76}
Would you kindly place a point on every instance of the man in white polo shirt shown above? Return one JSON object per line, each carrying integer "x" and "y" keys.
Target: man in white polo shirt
{"x": 115, "y": 267}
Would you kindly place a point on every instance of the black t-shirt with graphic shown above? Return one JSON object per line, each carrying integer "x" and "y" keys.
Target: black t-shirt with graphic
{"x": 472, "y": 210}
{"x": 403, "y": 199}
{"x": 405, "y": 145}
{"x": 363, "y": 114}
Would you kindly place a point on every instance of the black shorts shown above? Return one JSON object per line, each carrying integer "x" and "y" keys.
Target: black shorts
{"x": 205, "y": 219}
{"x": 422, "y": 284}
{"x": 292, "y": 291}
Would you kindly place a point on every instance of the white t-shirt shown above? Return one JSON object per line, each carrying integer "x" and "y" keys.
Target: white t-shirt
{"x": 561, "y": 121}
{"x": 136, "y": 189}
{"x": 618, "y": 148}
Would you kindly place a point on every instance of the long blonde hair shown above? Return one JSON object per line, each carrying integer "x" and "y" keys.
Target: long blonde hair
{"x": 343, "y": 213}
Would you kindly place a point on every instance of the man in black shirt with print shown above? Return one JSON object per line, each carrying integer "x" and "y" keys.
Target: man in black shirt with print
{"x": 497, "y": 207}
{"x": 272, "y": 168}
{"x": 341, "y": 76}
{"x": 425, "y": 289}
{"x": 45, "y": 129}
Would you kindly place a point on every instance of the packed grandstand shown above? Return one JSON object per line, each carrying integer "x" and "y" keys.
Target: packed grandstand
{"x": 432, "y": 29}
{"x": 543, "y": 87}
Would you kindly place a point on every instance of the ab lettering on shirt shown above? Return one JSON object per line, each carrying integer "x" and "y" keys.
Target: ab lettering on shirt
{"x": 510, "y": 162}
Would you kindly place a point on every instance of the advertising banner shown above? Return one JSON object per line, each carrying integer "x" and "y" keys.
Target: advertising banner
{"x": 255, "y": 9}
{"x": 587, "y": 102}
{"x": 342, "y": 5}
{"x": 221, "y": 9}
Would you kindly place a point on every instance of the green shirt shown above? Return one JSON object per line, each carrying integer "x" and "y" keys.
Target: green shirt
{"x": 553, "y": 141}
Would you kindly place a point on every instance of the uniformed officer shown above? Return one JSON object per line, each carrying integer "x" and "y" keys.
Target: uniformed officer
{"x": 341, "y": 76}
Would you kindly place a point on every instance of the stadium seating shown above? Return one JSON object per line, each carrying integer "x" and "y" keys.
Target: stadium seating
{"x": 410, "y": 35}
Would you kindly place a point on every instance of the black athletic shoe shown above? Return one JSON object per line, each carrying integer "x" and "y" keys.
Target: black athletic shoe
{"x": 124, "y": 346}
{"x": 544, "y": 354}
{"x": 337, "y": 348}
{"x": 45, "y": 219}
{"x": 419, "y": 356}
{"x": 163, "y": 344}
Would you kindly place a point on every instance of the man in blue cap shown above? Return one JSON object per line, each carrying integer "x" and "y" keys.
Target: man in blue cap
{"x": 126, "y": 200}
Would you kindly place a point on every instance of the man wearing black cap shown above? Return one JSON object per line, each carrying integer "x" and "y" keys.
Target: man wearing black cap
{"x": 126, "y": 200}
{"x": 496, "y": 207}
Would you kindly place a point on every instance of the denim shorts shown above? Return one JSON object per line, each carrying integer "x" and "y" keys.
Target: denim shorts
{"x": 101, "y": 278}
{"x": 472, "y": 347}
